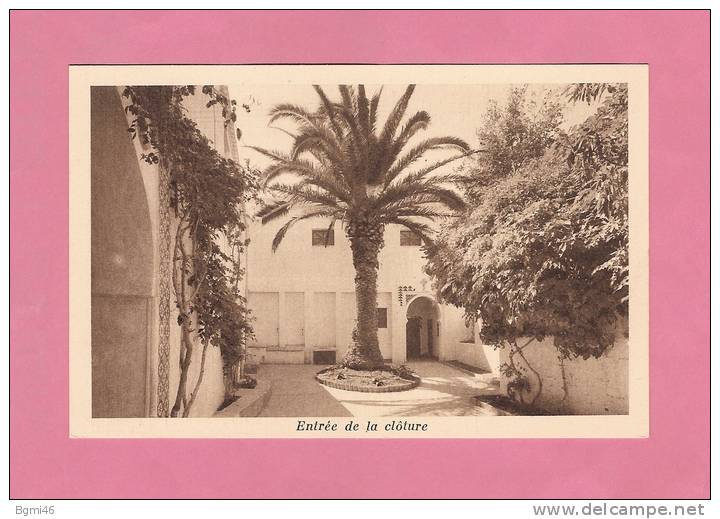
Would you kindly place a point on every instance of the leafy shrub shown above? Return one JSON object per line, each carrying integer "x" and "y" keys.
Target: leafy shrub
{"x": 544, "y": 251}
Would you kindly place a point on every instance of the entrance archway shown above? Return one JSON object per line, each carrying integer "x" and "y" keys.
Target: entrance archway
{"x": 422, "y": 329}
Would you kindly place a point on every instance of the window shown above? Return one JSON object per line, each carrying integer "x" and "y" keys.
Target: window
{"x": 409, "y": 239}
{"x": 324, "y": 357}
{"x": 382, "y": 317}
{"x": 323, "y": 237}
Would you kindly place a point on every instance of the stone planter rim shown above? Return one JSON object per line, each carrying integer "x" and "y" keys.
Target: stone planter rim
{"x": 412, "y": 383}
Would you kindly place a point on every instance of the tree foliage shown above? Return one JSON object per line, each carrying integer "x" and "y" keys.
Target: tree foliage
{"x": 510, "y": 136}
{"x": 208, "y": 192}
{"x": 345, "y": 166}
{"x": 544, "y": 251}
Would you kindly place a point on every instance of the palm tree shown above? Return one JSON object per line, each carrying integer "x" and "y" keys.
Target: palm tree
{"x": 345, "y": 169}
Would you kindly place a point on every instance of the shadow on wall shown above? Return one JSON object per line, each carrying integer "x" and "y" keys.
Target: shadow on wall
{"x": 121, "y": 265}
{"x": 595, "y": 386}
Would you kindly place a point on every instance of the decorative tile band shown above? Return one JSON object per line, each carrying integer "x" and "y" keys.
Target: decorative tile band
{"x": 163, "y": 384}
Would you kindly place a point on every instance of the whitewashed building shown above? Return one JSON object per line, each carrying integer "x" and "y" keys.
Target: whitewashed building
{"x": 303, "y": 298}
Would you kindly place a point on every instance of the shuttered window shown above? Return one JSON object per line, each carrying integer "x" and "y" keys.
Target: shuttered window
{"x": 323, "y": 237}
{"x": 382, "y": 317}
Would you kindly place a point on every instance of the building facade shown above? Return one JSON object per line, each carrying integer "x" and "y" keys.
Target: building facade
{"x": 303, "y": 298}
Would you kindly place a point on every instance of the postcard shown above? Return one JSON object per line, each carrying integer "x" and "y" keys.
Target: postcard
{"x": 367, "y": 251}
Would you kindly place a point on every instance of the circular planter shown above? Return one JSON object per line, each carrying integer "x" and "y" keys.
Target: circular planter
{"x": 409, "y": 382}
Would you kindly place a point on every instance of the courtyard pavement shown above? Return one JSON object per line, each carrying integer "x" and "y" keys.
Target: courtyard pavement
{"x": 444, "y": 391}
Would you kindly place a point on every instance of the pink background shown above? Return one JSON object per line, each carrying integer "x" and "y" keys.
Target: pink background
{"x": 673, "y": 462}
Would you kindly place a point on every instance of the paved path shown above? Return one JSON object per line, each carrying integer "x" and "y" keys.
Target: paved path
{"x": 296, "y": 393}
{"x": 444, "y": 391}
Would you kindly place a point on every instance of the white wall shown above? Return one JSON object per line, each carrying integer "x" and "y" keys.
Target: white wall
{"x": 468, "y": 349}
{"x": 298, "y": 266}
{"x": 266, "y": 309}
{"x": 346, "y": 322}
{"x": 294, "y": 319}
{"x": 323, "y": 313}
{"x": 385, "y": 338}
{"x": 325, "y": 275}
{"x": 212, "y": 389}
{"x": 595, "y": 386}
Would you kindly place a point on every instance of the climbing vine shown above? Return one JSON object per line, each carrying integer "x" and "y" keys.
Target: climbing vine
{"x": 207, "y": 194}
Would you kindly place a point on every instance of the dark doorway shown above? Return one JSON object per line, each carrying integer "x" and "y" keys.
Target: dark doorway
{"x": 423, "y": 318}
{"x": 412, "y": 337}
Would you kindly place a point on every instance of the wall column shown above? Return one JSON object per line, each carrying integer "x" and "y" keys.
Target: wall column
{"x": 398, "y": 330}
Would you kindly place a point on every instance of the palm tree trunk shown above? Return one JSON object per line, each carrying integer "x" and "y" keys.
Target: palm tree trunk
{"x": 364, "y": 353}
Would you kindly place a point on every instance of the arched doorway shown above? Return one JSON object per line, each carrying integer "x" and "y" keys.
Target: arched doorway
{"x": 422, "y": 329}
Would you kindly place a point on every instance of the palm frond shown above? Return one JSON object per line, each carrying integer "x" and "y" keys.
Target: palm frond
{"x": 280, "y": 235}
{"x": 272, "y": 210}
{"x": 417, "y": 210}
{"x": 291, "y": 111}
{"x": 347, "y": 94}
{"x": 317, "y": 142}
{"x": 363, "y": 110}
{"x": 419, "y": 192}
{"x": 426, "y": 179}
{"x": 431, "y": 168}
{"x": 372, "y": 116}
{"x": 297, "y": 167}
{"x": 419, "y": 121}
{"x": 309, "y": 175}
{"x": 447, "y": 197}
{"x": 337, "y": 153}
{"x": 330, "y": 229}
{"x": 276, "y": 155}
{"x": 284, "y": 164}
{"x": 330, "y": 110}
{"x": 395, "y": 117}
{"x": 295, "y": 194}
{"x": 416, "y": 152}
{"x": 423, "y": 230}
{"x": 349, "y": 115}
{"x": 286, "y": 132}
{"x": 303, "y": 169}
{"x": 333, "y": 186}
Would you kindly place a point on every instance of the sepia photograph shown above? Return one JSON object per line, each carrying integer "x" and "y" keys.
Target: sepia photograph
{"x": 321, "y": 260}
{"x": 375, "y": 255}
